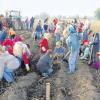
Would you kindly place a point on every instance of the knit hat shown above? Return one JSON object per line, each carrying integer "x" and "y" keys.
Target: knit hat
{"x": 2, "y": 49}
{"x": 85, "y": 42}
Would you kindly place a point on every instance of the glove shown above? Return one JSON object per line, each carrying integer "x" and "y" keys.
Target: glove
{"x": 43, "y": 48}
{"x": 27, "y": 67}
{"x": 3, "y": 48}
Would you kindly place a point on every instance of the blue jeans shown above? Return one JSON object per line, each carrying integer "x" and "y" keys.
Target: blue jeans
{"x": 73, "y": 60}
{"x": 8, "y": 75}
{"x": 46, "y": 73}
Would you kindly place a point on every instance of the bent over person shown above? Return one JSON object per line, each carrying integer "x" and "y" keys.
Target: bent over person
{"x": 8, "y": 63}
{"x": 44, "y": 65}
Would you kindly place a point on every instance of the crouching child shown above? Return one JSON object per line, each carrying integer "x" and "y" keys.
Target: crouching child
{"x": 59, "y": 50}
{"x": 22, "y": 52}
{"x": 85, "y": 50}
{"x": 8, "y": 64}
{"x": 44, "y": 65}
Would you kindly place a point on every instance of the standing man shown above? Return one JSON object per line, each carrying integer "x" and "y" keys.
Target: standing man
{"x": 74, "y": 45}
{"x": 31, "y": 23}
{"x": 45, "y": 26}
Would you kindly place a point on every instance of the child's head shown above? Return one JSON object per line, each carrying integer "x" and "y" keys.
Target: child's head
{"x": 1, "y": 50}
{"x": 58, "y": 44}
{"x": 86, "y": 42}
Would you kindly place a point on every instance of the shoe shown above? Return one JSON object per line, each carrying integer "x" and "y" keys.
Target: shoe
{"x": 45, "y": 75}
{"x": 69, "y": 72}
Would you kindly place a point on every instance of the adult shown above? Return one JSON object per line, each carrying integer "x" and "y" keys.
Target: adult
{"x": 74, "y": 45}
{"x": 96, "y": 44}
{"x": 31, "y": 22}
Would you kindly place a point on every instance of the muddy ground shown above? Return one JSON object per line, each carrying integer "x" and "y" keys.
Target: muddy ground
{"x": 83, "y": 85}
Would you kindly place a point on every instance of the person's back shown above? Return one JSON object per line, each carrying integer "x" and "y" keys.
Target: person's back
{"x": 44, "y": 65}
{"x": 38, "y": 28}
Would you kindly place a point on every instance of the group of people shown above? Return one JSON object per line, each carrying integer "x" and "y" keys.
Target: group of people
{"x": 54, "y": 41}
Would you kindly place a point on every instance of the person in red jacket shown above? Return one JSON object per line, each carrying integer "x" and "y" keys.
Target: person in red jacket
{"x": 44, "y": 44}
{"x": 55, "y": 21}
{"x": 8, "y": 43}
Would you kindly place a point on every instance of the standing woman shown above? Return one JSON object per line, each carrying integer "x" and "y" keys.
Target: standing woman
{"x": 73, "y": 43}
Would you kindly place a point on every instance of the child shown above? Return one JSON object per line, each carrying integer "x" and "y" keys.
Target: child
{"x": 8, "y": 43}
{"x": 8, "y": 63}
{"x": 3, "y": 35}
{"x": 38, "y": 31}
{"x": 59, "y": 50}
{"x": 44, "y": 65}
{"x": 11, "y": 33}
{"x": 22, "y": 52}
{"x": 85, "y": 50}
{"x": 44, "y": 43}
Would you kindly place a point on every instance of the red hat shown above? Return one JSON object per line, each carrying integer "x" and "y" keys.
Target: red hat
{"x": 85, "y": 41}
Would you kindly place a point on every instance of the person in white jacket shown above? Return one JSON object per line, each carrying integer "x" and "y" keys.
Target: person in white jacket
{"x": 8, "y": 63}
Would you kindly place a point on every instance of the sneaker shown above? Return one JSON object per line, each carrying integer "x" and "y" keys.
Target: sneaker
{"x": 69, "y": 72}
{"x": 45, "y": 75}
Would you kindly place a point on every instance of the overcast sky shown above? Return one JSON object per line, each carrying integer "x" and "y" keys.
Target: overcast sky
{"x": 52, "y": 7}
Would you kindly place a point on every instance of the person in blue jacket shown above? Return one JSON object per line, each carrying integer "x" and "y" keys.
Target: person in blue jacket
{"x": 38, "y": 31}
{"x": 73, "y": 43}
{"x": 3, "y": 35}
{"x": 45, "y": 26}
{"x": 96, "y": 46}
{"x": 85, "y": 34}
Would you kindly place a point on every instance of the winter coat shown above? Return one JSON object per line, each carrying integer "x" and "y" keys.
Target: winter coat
{"x": 11, "y": 62}
{"x": 44, "y": 63}
{"x": 73, "y": 41}
{"x": 44, "y": 43}
{"x": 59, "y": 51}
{"x": 21, "y": 51}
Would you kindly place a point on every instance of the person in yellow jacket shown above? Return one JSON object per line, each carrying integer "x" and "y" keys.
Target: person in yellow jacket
{"x": 11, "y": 33}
